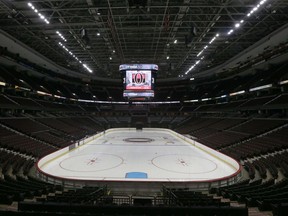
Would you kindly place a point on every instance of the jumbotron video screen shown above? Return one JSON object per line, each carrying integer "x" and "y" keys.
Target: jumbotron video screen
{"x": 138, "y": 80}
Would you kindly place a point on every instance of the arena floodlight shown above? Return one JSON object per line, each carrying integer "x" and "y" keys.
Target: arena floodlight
{"x": 200, "y": 53}
{"x": 61, "y": 36}
{"x": 237, "y": 25}
{"x": 283, "y": 82}
{"x": 230, "y": 32}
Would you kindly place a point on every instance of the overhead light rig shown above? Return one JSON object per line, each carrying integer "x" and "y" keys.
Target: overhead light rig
{"x": 42, "y": 17}
{"x": 233, "y": 29}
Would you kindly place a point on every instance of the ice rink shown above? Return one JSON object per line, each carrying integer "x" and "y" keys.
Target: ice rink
{"x": 130, "y": 155}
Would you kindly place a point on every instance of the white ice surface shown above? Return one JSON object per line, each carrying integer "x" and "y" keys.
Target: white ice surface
{"x": 165, "y": 158}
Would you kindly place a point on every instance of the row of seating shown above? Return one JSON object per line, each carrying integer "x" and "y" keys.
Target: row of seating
{"x": 274, "y": 163}
{"x": 223, "y": 138}
{"x": 250, "y": 168}
{"x": 14, "y": 190}
{"x": 258, "y": 126}
{"x": 271, "y": 142}
{"x": 14, "y": 161}
{"x": 192, "y": 198}
{"x": 58, "y": 132}
{"x": 24, "y": 144}
{"x": 28, "y": 103}
{"x": 263, "y": 194}
{"x": 81, "y": 209}
{"x": 85, "y": 195}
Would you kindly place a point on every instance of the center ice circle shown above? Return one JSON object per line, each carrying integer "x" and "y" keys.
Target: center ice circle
{"x": 138, "y": 139}
{"x": 91, "y": 162}
{"x": 185, "y": 164}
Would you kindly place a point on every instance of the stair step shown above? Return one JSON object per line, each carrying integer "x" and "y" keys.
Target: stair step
{"x": 236, "y": 204}
{"x": 255, "y": 212}
{"x": 252, "y": 211}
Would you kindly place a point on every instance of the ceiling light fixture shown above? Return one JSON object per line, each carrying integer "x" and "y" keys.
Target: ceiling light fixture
{"x": 200, "y": 53}
{"x": 85, "y": 66}
{"x": 61, "y": 36}
{"x": 41, "y": 16}
{"x": 237, "y": 25}
{"x": 230, "y": 32}
{"x": 75, "y": 57}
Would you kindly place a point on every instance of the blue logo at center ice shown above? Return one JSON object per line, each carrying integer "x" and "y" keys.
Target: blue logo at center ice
{"x": 136, "y": 175}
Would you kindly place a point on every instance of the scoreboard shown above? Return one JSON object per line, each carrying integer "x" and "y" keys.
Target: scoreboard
{"x": 138, "y": 80}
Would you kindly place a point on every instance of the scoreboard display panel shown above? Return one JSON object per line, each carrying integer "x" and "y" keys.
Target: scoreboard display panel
{"x": 138, "y": 80}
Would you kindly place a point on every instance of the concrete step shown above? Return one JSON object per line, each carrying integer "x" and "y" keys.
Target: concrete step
{"x": 254, "y": 211}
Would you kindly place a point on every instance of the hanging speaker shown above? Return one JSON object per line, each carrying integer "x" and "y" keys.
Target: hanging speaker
{"x": 84, "y": 36}
{"x": 193, "y": 31}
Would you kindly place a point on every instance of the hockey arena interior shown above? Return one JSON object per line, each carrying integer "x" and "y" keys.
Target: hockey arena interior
{"x": 144, "y": 107}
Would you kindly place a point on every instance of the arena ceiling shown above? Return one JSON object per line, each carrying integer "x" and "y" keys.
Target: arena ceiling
{"x": 102, "y": 34}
